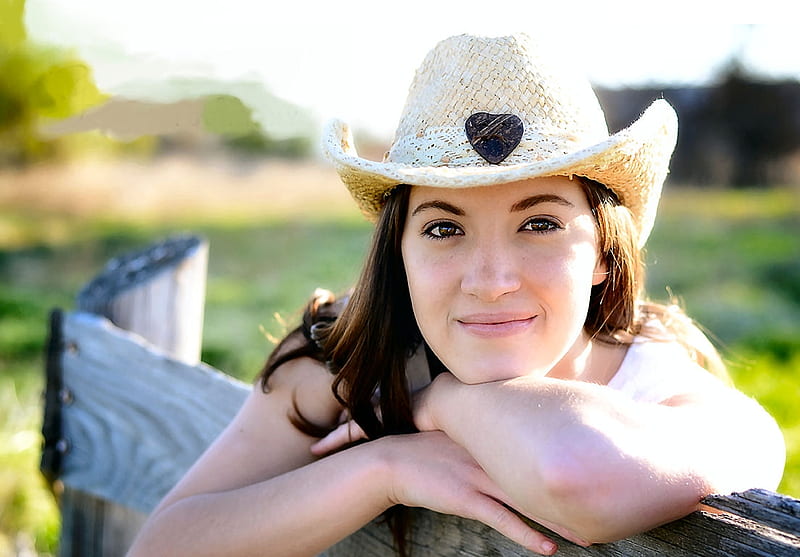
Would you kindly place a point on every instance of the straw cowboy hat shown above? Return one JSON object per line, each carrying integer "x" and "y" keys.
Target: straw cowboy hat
{"x": 483, "y": 111}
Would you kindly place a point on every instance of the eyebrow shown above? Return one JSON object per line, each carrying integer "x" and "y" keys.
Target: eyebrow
{"x": 520, "y": 205}
{"x": 447, "y": 207}
{"x": 529, "y": 202}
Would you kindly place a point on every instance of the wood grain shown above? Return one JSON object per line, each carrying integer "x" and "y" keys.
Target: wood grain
{"x": 138, "y": 419}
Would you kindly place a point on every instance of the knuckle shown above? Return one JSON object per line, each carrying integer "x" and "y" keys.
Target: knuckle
{"x": 531, "y": 538}
{"x": 503, "y": 519}
{"x": 465, "y": 503}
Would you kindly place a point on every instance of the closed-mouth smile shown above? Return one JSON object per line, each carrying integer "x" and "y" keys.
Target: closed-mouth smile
{"x": 495, "y": 325}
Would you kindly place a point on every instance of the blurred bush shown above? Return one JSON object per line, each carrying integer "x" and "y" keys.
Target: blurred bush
{"x": 36, "y": 83}
{"x": 45, "y": 89}
{"x": 228, "y": 117}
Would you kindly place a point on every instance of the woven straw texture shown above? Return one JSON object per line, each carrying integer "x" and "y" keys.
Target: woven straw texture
{"x": 564, "y": 129}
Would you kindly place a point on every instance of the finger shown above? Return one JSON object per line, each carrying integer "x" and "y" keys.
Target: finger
{"x": 344, "y": 434}
{"x": 334, "y": 440}
{"x": 500, "y": 518}
{"x": 487, "y": 486}
{"x": 563, "y": 532}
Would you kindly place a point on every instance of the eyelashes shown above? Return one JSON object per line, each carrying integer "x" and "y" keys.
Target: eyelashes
{"x": 443, "y": 229}
{"x": 542, "y": 224}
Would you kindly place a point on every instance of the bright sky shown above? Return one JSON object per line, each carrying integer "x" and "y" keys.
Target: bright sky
{"x": 354, "y": 59}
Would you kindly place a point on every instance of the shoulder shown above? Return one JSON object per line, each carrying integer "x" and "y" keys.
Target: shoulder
{"x": 304, "y": 385}
{"x": 656, "y": 370}
{"x": 261, "y": 441}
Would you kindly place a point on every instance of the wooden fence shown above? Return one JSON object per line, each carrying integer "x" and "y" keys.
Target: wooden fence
{"x": 128, "y": 408}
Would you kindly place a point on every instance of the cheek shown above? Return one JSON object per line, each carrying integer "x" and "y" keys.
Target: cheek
{"x": 429, "y": 284}
{"x": 566, "y": 284}
{"x": 572, "y": 267}
{"x": 428, "y": 279}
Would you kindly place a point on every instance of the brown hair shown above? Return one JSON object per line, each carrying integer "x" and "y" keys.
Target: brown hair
{"x": 618, "y": 310}
{"x": 368, "y": 345}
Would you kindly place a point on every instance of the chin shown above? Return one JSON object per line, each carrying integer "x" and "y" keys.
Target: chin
{"x": 496, "y": 371}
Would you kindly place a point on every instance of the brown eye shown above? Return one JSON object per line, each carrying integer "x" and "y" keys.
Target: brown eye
{"x": 441, "y": 230}
{"x": 541, "y": 224}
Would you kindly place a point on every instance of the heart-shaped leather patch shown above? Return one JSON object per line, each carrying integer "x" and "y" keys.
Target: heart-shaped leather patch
{"x": 493, "y": 136}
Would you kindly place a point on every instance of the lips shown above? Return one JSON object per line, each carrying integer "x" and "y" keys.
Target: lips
{"x": 489, "y": 325}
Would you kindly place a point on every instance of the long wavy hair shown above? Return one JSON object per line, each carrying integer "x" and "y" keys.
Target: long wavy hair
{"x": 367, "y": 343}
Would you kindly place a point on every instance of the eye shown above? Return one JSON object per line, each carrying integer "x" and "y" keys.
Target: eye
{"x": 541, "y": 225}
{"x": 442, "y": 230}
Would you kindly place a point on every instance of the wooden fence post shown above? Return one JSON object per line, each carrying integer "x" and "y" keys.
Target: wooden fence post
{"x": 159, "y": 294}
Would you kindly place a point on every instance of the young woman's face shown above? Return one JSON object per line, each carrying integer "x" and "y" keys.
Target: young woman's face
{"x": 500, "y": 276}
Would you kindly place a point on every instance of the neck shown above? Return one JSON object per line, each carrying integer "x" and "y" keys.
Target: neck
{"x": 590, "y": 361}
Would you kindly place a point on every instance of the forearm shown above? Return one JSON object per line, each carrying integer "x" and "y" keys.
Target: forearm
{"x": 564, "y": 452}
{"x": 298, "y": 513}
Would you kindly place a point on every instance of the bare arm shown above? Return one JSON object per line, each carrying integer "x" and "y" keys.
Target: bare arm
{"x": 258, "y": 489}
{"x": 600, "y": 466}
{"x": 257, "y": 485}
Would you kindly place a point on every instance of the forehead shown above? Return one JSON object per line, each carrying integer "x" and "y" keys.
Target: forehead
{"x": 552, "y": 187}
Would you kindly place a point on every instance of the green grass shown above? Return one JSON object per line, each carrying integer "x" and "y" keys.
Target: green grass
{"x": 731, "y": 257}
{"x": 772, "y": 379}
{"x": 26, "y": 506}
{"x": 258, "y": 272}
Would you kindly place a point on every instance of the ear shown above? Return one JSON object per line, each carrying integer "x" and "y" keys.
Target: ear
{"x": 600, "y": 271}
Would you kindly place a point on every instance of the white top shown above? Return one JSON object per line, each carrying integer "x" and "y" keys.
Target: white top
{"x": 654, "y": 371}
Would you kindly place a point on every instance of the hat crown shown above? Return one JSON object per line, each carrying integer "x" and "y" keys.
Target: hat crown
{"x": 521, "y": 106}
{"x": 461, "y": 76}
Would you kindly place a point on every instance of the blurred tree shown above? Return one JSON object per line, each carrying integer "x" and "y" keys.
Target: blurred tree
{"x": 760, "y": 121}
{"x": 12, "y": 27}
{"x": 36, "y": 83}
{"x": 257, "y": 144}
{"x": 743, "y": 131}
{"x": 229, "y": 117}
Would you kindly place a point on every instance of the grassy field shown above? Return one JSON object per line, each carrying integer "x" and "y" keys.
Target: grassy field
{"x": 277, "y": 232}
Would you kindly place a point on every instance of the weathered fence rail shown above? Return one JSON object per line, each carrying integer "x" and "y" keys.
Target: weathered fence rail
{"x": 128, "y": 408}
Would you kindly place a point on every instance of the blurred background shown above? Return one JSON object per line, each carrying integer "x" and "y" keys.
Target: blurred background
{"x": 125, "y": 122}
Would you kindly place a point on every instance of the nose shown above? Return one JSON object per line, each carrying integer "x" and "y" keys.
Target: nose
{"x": 491, "y": 272}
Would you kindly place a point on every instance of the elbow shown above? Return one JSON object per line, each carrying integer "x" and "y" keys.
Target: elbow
{"x": 160, "y": 535}
{"x": 757, "y": 462}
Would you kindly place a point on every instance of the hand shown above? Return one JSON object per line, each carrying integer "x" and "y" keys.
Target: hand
{"x": 430, "y": 470}
{"x": 438, "y": 474}
{"x": 347, "y": 432}
{"x": 422, "y": 401}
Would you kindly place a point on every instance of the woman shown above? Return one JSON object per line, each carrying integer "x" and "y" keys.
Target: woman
{"x": 495, "y": 349}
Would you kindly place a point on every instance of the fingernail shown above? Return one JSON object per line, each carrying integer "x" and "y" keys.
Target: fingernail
{"x": 548, "y": 548}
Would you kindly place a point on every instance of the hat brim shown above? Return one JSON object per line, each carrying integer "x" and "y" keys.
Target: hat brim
{"x": 632, "y": 162}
